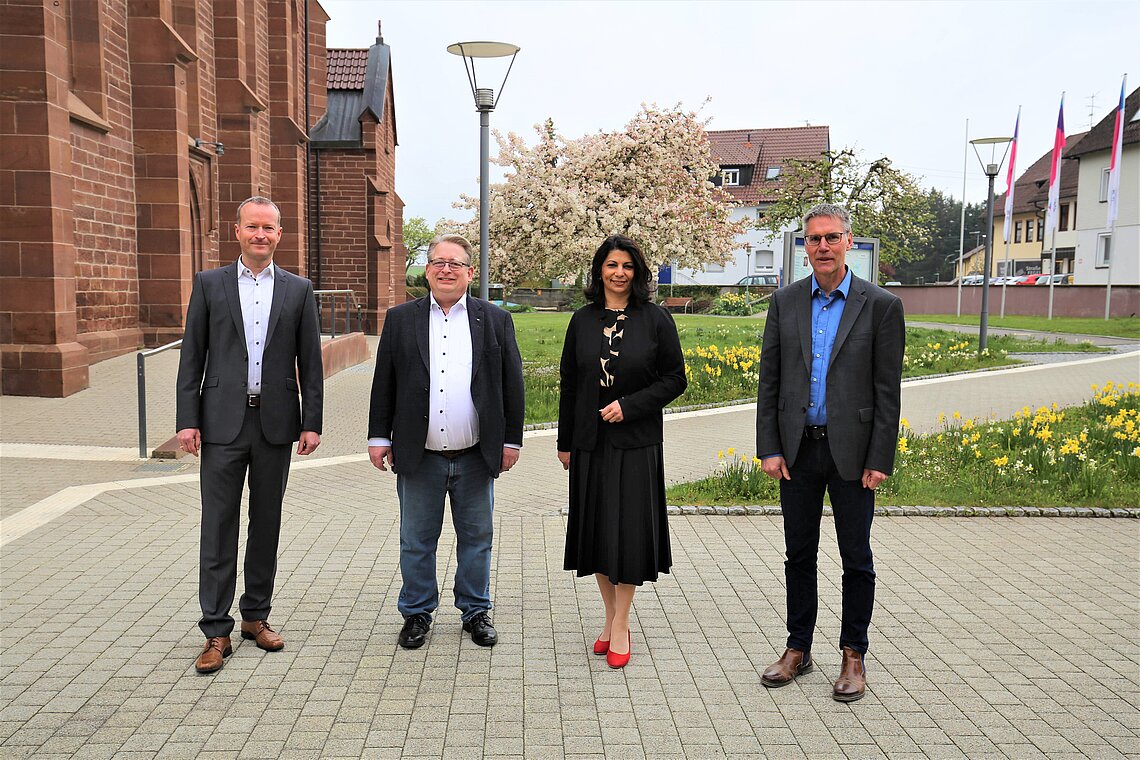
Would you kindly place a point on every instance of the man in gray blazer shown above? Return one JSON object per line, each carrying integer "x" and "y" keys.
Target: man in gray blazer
{"x": 827, "y": 417}
{"x": 252, "y": 344}
{"x": 447, "y": 415}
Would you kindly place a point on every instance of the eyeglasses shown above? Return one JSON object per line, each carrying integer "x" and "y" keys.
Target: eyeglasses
{"x": 441, "y": 264}
{"x": 832, "y": 238}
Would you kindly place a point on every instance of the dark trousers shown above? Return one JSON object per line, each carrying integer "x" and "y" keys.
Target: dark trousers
{"x": 801, "y": 502}
{"x": 224, "y": 470}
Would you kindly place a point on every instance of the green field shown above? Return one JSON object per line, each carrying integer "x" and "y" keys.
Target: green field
{"x": 1117, "y": 327}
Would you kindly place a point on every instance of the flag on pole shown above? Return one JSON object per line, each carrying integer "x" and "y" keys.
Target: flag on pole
{"x": 1114, "y": 166}
{"x": 1009, "y": 178}
{"x": 1051, "y": 214}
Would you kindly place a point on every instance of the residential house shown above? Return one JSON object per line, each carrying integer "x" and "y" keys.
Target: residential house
{"x": 751, "y": 163}
{"x": 1028, "y": 243}
{"x": 1096, "y": 244}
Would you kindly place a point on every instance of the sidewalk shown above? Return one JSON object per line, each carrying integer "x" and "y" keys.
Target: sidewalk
{"x": 999, "y": 637}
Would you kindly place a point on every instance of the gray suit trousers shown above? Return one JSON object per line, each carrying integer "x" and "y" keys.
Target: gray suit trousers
{"x": 224, "y": 470}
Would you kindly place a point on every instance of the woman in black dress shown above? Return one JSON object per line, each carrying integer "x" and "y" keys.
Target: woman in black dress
{"x": 621, "y": 364}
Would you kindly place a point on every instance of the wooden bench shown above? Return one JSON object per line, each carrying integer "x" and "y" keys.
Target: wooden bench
{"x": 684, "y": 304}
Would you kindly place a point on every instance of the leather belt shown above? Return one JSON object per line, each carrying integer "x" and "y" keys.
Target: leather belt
{"x": 253, "y": 400}
{"x": 454, "y": 453}
{"x": 815, "y": 432}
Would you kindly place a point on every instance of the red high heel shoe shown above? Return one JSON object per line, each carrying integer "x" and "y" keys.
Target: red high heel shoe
{"x": 601, "y": 647}
{"x": 615, "y": 660}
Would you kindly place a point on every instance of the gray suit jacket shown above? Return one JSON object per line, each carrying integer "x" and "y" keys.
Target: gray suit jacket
{"x": 863, "y": 379}
{"x": 399, "y": 406}
{"x": 213, "y": 368}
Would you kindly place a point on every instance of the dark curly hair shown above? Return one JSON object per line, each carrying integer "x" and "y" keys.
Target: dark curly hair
{"x": 639, "y": 293}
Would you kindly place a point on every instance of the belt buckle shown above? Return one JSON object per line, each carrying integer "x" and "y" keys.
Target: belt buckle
{"x": 253, "y": 400}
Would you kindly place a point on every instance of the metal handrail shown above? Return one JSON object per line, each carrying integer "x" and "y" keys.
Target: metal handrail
{"x": 140, "y": 360}
{"x": 349, "y": 302}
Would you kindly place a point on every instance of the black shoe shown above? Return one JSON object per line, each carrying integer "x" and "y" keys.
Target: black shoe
{"x": 414, "y": 633}
{"x": 481, "y": 630}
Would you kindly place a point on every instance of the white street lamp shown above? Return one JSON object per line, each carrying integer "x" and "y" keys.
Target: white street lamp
{"x": 485, "y": 102}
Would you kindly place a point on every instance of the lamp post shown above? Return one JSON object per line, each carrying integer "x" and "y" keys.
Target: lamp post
{"x": 485, "y": 102}
{"x": 991, "y": 169}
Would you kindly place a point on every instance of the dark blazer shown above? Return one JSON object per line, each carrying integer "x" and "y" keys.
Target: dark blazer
{"x": 213, "y": 368}
{"x": 650, "y": 373}
{"x": 863, "y": 391}
{"x": 399, "y": 407}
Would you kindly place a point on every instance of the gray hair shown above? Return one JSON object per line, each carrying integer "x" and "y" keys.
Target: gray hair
{"x": 258, "y": 200}
{"x": 458, "y": 240}
{"x": 832, "y": 210}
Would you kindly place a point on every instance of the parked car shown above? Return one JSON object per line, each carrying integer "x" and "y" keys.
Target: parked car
{"x": 972, "y": 279}
{"x": 1031, "y": 279}
{"x": 760, "y": 281}
{"x": 893, "y": 282}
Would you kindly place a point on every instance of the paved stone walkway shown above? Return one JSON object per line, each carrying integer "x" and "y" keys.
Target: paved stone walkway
{"x": 993, "y": 637}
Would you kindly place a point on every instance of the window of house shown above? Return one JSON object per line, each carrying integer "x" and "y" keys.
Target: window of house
{"x": 1063, "y": 222}
{"x": 714, "y": 267}
{"x": 772, "y": 173}
{"x": 730, "y": 176}
{"x": 1103, "y": 250}
{"x": 1104, "y": 185}
{"x": 1028, "y": 230}
{"x": 763, "y": 262}
{"x": 759, "y": 215}
{"x": 1017, "y": 232}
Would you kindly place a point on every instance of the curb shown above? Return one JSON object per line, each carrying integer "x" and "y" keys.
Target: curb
{"x": 772, "y": 509}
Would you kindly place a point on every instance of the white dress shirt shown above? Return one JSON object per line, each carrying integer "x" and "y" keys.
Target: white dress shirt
{"x": 453, "y": 422}
{"x": 256, "y": 295}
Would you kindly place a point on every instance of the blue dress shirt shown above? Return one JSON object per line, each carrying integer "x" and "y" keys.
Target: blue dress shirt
{"x": 826, "y": 312}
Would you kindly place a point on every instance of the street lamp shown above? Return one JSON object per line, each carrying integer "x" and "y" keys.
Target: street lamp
{"x": 485, "y": 102}
{"x": 991, "y": 169}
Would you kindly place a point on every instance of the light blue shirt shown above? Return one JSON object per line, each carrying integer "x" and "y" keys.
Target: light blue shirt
{"x": 826, "y": 311}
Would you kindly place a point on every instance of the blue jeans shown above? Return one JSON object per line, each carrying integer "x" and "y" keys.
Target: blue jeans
{"x": 471, "y": 490}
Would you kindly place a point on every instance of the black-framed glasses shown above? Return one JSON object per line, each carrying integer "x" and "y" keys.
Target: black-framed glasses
{"x": 441, "y": 264}
{"x": 832, "y": 238}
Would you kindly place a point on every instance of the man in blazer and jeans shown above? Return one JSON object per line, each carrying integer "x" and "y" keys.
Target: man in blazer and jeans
{"x": 827, "y": 417}
{"x": 252, "y": 344}
{"x": 447, "y": 416}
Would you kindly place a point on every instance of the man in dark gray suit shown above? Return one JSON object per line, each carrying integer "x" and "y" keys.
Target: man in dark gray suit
{"x": 827, "y": 417}
{"x": 447, "y": 415}
{"x": 252, "y": 343}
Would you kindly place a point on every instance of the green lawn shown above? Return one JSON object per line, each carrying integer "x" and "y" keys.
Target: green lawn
{"x": 722, "y": 356}
{"x": 1117, "y": 327}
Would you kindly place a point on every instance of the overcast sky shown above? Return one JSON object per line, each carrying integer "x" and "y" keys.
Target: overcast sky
{"x": 892, "y": 78}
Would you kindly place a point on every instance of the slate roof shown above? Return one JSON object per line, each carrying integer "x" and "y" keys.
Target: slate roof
{"x": 763, "y": 148}
{"x": 357, "y": 81}
{"x": 1100, "y": 136}
{"x": 1027, "y": 195}
{"x": 347, "y": 68}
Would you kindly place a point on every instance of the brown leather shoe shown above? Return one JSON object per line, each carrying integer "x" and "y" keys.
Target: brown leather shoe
{"x": 214, "y": 654}
{"x": 852, "y": 681}
{"x": 265, "y": 636}
{"x": 792, "y": 664}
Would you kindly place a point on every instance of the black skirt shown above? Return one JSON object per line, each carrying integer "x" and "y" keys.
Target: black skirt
{"x": 618, "y": 525}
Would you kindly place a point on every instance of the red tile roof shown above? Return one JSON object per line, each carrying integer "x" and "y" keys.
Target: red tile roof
{"x": 347, "y": 68}
{"x": 1031, "y": 190}
{"x": 763, "y": 148}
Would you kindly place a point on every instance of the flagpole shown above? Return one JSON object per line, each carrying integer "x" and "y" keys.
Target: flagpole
{"x": 1052, "y": 271}
{"x": 1112, "y": 226}
{"x": 1004, "y": 282}
{"x": 962, "y": 232}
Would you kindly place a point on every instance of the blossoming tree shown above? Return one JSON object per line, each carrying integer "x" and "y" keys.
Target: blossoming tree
{"x": 561, "y": 197}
